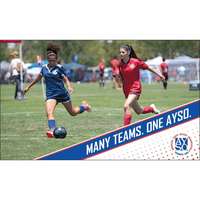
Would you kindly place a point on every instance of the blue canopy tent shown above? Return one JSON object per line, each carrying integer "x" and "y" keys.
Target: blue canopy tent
{"x": 33, "y": 69}
{"x": 75, "y": 71}
{"x": 37, "y": 65}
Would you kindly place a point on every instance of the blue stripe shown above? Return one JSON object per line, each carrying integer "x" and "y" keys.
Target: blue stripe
{"x": 128, "y": 134}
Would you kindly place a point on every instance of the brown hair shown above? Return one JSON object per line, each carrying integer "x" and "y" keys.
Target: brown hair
{"x": 52, "y": 49}
{"x": 131, "y": 51}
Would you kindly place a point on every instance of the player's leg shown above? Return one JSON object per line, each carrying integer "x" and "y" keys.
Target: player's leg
{"x": 103, "y": 81}
{"x": 16, "y": 87}
{"x": 75, "y": 110}
{"x": 165, "y": 84}
{"x": 127, "y": 108}
{"x": 100, "y": 80}
{"x": 143, "y": 110}
{"x": 113, "y": 81}
{"x": 166, "y": 79}
{"x": 50, "y": 108}
{"x": 135, "y": 105}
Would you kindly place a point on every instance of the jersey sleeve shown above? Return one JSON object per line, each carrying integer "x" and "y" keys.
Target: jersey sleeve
{"x": 62, "y": 72}
{"x": 142, "y": 65}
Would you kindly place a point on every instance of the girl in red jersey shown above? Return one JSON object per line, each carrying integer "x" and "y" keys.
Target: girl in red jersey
{"x": 114, "y": 63}
{"x": 101, "y": 66}
{"x": 129, "y": 73}
{"x": 164, "y": 71}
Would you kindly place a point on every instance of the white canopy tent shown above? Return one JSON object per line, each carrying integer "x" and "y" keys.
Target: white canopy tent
{"x": 191, "y": 65}
{"x": 155, "y": 62}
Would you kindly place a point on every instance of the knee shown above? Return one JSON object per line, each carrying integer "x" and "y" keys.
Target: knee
{"x": 138, "y": 112}
{"x": 72, "y": 113}
{"x": 49, "y": 114}
{"x": 126, "y": 107}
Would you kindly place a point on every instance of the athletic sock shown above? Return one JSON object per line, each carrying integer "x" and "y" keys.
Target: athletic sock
{"x": 127, "y": 119}
{"x": 82, "y": 108}
{"x": 51, "y": 124}
{"x": 147, "y": 109}
{"x": 165, "y": 85}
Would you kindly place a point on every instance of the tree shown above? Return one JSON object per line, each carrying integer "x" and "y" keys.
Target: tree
{"x": 90, "y": 51}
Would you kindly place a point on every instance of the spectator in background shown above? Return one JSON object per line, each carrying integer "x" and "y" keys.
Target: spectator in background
{"x": 101, "y": 66}
{"x": 114, "y": 63}
{"x": 164, "y": 71}
{"x": 18, "y": 73}
{"x": 39, "y": 60}
{"x": 181, "y": 73}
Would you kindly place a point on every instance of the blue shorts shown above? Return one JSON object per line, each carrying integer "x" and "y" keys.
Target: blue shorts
{"x": 60, "y": 98}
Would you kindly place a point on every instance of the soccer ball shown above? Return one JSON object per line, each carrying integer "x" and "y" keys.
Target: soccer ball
{"x": 59, "y": 132}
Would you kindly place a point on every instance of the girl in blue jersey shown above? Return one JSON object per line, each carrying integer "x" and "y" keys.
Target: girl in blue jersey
{"x": 55, "y": 77}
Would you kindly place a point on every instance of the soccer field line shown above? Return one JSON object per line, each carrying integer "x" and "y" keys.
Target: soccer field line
{"x": 20, "y": 113}
{"x": 17, "y": 137}
{"x": 90, "y": 95}
{"x": 62, "y": 109}
{"x": 99, "y": 109}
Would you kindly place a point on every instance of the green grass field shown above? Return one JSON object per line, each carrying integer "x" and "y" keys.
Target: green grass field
{"x": 24, "y": 123}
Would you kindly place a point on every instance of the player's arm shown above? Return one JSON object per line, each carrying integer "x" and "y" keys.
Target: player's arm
{"x": 67, "y": 82}
{"x": 13, "y": 68}
{"x": 160, "y": 69}
{"x": 118, "y": 80}
{"x": 157, "y": 73}
{"x": 118, "y": 77}
{"x": 38, "y": 78}
{"x": 144, "y": 66}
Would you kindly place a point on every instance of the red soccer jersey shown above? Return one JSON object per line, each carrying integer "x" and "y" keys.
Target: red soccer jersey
{"x": 164, "y": 68}
{"x": 101, "y": 66}
{"x": 115, "y": 66}
{"x": 130, "y": 74}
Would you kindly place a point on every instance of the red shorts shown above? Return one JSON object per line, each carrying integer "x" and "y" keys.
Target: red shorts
{"x": 101, "y": 73}
{"x": 115, "y": 73}
{"x": 132, "y": 92}
{"x": 166, "y": 76}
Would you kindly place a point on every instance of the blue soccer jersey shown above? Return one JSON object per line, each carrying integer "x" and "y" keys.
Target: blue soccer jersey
{"x": 53, "y": 76}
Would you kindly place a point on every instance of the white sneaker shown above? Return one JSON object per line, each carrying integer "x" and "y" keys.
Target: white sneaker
{"x": 155, "y": 110}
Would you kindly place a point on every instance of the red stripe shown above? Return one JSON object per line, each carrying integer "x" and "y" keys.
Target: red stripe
{"x": 11, "y": 41}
